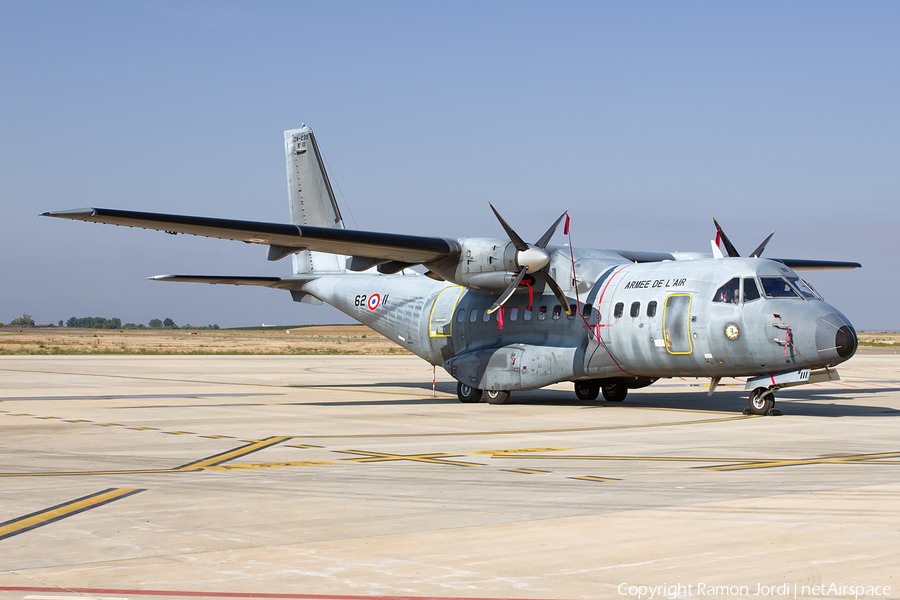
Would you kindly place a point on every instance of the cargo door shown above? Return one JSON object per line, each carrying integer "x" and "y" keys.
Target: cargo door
{"x": 677, "y": 324}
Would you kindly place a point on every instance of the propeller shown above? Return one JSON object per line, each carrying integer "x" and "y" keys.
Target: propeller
{"x": 729, "y": 247}
{"x": 531, "y": 259}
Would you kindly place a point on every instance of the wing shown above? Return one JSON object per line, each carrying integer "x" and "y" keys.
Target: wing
{"x": 799, "y": 264}
{"x": 281, "y": 283}
{"x": 283, "y": 239}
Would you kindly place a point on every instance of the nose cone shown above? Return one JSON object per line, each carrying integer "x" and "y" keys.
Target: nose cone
{"x": 835, "y": 339}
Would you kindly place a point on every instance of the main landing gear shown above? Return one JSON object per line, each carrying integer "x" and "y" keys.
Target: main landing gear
{"x": 613, "y": 391}
{"x": 762, "y": 402}
{"x": 467, "y": 393}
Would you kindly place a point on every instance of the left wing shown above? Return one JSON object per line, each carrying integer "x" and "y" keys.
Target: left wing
{"x": 283, "y": 239}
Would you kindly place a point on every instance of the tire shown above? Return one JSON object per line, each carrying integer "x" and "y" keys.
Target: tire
{"x": 615, "y": 392}
{"x": 496, "y": 397}
{"x": 587, "y": 390}
{"x": 760, "y": 405}
{"x": 467, "y": 393}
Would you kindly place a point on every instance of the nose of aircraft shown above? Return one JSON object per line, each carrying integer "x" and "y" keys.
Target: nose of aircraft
{"x": 835, "y": 338}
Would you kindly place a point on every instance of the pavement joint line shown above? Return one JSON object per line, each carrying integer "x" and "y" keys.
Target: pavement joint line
{"x": 195, "y": 594}
{"x": 50, "y": 515}
{"x": 199, "y": 465}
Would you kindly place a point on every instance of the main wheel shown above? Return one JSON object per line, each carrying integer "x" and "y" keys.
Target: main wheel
{"x": 467, "y": 393}
{"x": 497, "y": 397}
{"x": 587, "y": 390}
{"x": 615, "y": 392}
{"x": 759, "y": 404}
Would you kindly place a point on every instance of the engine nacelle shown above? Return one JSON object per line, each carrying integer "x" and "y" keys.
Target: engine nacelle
{"x": 483, "y": 263}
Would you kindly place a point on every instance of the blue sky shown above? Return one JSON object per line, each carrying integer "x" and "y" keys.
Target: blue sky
{"x": 646, "y": 119}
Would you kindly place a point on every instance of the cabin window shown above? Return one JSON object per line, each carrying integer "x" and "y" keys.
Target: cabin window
{"x": 751, "y": 291}
{"x": 729, "y": 293}
{"x": 587, "y": 310}
{"x": 651, "y": 309}
{"x": 542, "y": 313}
{"x": 635, "y": 309}
{"x": 473, "y": 316}
{"x": 486, "y": 316}
{"x": 572, "y": 315}
{"x": 557, "y": 310}
{"x": 776, "y": 287}
{"x": 513, "y": 314}
{"x": 803, "y": 287}
{"x": 461, "y": 315}
{"x": 527, "y": 314}
{"x": 620, "y": 308}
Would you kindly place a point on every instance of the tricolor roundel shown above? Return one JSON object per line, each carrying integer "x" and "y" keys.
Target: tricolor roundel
{"x": 373, "y": 301}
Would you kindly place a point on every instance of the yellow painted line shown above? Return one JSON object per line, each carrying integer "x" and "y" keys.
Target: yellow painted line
{"x": 301, "y": 446}
{"x": 275, "y": 465}
{"x": 179, "y": 432}
{"x": 519, "y": 451}
{"x": 436, "y": 458}
{"x": 865, "y": 459}
{"x": 61, "y": 511}
{"x": 527, "y": 471}
{"x": 218, "y": 459}
{"x": 48, "y": 417}
{"x": 637, "y": 458}
{"x": 143, "y": 428}
{"x": 109, "y": 424}
{"x": 218, "y": 437}
{"x": 594, "y": 478}
{"x": 77, "y": 421}
{"x": 520, "y": 431}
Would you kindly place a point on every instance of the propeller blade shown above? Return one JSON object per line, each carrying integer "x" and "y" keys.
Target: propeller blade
{"x": 558, "y": 292}
{"x": 545, "y": 239}
{"x": 728, "y": 245}
{"x": 508, "y": 293}
{"x": 758, "y": 252}
{"x": 513, "y": 236}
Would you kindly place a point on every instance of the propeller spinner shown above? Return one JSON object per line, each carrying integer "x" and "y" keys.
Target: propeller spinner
{"x": 531, "y": 259}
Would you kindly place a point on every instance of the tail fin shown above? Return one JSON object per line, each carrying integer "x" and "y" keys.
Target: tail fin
{"x": 311, "y": 198}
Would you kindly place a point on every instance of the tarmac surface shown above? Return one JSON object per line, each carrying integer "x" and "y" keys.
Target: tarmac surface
{"x": 341, "y": 476}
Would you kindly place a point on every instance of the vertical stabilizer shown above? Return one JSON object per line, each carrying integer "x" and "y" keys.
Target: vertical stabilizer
{"x": 311, "y": 198}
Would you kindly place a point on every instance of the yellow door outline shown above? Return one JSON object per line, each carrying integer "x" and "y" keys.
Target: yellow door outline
{"x": 438, "y": 327}
{"x": 666, "y": 331}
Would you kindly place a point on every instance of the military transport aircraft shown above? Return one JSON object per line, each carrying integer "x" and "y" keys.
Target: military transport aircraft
{"x": 502, "y": 315}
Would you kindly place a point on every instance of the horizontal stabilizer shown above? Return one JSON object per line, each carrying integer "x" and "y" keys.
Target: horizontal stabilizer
{"x": 411, "y": 249}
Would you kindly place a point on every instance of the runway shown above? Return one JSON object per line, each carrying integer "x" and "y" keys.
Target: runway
{"x": 341, "y": 476}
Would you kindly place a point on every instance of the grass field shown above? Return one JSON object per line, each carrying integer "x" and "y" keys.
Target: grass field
{"x": 322, "y": 339}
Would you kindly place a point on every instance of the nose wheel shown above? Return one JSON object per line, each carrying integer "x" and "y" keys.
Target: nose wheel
{"x": 762, "y": 402}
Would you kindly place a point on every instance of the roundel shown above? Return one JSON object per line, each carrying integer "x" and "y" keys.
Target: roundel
{"x": 373, "y": 301}
{"x": 732, "y": 332}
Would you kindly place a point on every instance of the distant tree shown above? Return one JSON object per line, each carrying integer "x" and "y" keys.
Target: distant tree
{"x": 129, "y": 326}
{"x": 60, "y": 322}
{"x": 155, "y": 323}
{"x": 24, "y": 321}
{"x": 169, "y": 323}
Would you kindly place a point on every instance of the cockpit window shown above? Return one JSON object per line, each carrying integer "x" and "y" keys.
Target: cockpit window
{"x": 730, "y": 292}
{"x": 804, "y": 288}
{"x": 776, "y": 287}
{"x": 751, "y": 291}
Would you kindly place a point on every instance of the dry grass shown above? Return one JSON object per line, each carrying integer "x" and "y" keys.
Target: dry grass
{"x": 879, "y": 339}
{"x": 327, "y": 339}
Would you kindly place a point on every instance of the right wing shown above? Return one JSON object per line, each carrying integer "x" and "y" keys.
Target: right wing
{"x": 282, "y": 238}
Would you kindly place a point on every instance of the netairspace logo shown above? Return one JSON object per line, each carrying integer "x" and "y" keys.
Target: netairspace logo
{"x": 784, "y": 590}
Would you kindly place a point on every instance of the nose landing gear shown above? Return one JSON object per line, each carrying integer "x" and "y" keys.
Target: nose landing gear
{"x": 762, "y": 402}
